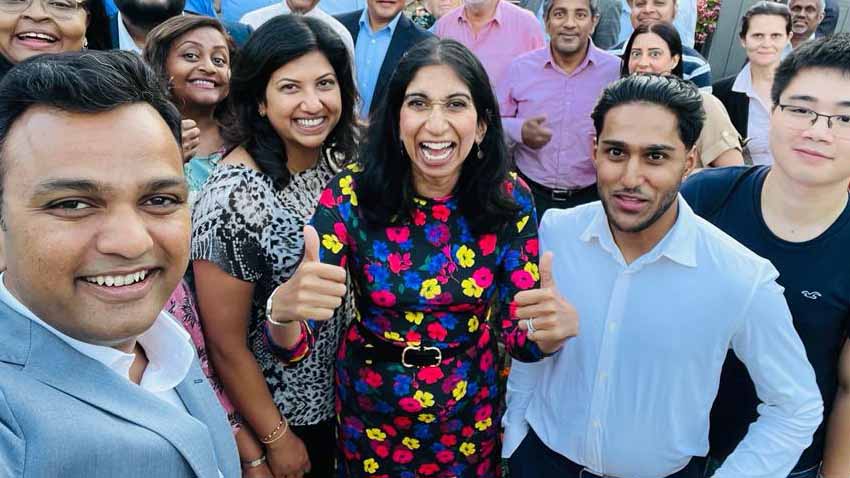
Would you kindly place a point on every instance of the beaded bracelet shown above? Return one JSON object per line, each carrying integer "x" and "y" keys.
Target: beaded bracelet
{"x": 273, "y": 436}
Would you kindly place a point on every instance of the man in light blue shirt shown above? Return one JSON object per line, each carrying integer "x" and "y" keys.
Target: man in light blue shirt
{"x": 382, "y": 34}
{"x": 661, "y": 296}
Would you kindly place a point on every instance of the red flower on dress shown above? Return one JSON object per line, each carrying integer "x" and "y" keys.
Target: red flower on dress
{"x": 436, "y": 331}
{"x": 383, "y": 298}
{"x": 440, "y": 212}
{"x": 522, "y": 279}
{"x": 403, "y": 422}
{"x": 381, "y": 449}
{"x": 402, "y": 455}
{"x": 399, "y": 262}
{"x": 487, "y": 243}
{"x": 448, "y": 440}
{"x": 467, "y": 431}
{"x": 430, "y": 375}
{"x": 483, "y": 277}
{"x": 486, "y": 361}
{"x": 445, "y": 456}
{"x": 419, "y": 218}
{"x": 398, "y": 234}
{"x": 532, "y": 246}
{"x": 327, "y": 198}
{"x": 341, "y": 232}
{"x": 389, "y": 430}
{"x": 410, "y": 404}
{"x": 372, "y": 378}
{"x": 484, "y": 412}
{"x": 428, "y": 469}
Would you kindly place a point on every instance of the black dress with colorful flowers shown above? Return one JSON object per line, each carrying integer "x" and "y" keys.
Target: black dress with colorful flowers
{"x": 432, "y": 282}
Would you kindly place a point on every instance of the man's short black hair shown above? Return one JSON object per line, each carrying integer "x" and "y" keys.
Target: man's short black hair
{"x": 82, "y": 82}
{"x": 831, "y": 53}
{"x": 679, "y": 96}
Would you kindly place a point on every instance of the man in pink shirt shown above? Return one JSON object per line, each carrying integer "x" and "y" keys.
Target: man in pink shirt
{"x": 497, "y": 31}
{"x": 545, "y": 100}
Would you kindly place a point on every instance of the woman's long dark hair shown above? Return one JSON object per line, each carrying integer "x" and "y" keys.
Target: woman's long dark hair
{"x": 97, "y": 31}
{"x": 668, "y": 33}
{"x": 385, "y": 187}
{"x": 279, "y": 41}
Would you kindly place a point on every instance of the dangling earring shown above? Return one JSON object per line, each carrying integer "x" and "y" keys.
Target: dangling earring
{"x": 170, "y": 85}
{"x": 480, "y": 153}
{"x": 261, "y": 111}
{"x": 85, "y": 43}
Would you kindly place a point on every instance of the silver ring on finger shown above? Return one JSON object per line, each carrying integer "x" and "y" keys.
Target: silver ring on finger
{"x": 530, "y": 324}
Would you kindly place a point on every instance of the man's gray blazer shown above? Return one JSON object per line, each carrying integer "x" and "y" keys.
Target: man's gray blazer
{"x": 63, "y": 414}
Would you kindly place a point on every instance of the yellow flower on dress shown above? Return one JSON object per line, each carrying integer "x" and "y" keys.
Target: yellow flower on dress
{"x": 430, "y": 289}
{"x": 467, "y": 448}
{"x": 331, "y": 243}
{"x": 370, "y": 465}
{"x": 376, "y": 434}
{"x": 345, "y": 185}
{"x": 484, "y": 424}
{"x": 355, "y": 167}
{"x": 473, "y": 324}
{"x": 471, "y": 289}
{"x": 411, "y": 443}
{"x": 531, "y": 268}
{"x": 426, "y": 417}
{"x": 520, "y": 225}
{"x": 414, "y": 317}
{"x": 426, "y": 399}
{"x": 419, "y": 201}
{"x": 512, "y": 174}
{"x": 460, "y": 390}
{"x": 393, "y": 335}
{"x": 465, "y": 256}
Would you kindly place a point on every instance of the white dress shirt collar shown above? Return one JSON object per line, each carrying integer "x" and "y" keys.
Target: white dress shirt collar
{"x": 677, "y": 244}
{"x": 167, "y": 346}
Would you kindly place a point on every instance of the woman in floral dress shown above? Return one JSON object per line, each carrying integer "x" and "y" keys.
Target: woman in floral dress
{"x": 433, "y": 230}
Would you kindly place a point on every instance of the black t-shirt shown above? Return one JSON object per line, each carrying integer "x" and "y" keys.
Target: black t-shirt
{"x": 816, "y": 278}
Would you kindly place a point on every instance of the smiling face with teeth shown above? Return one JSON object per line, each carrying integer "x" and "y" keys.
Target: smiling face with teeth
{"x": 97, "y": 229}
{"x": 439, "y": 125}
{"x": 199, "y": 64}
{"x": 34, "y": 31}
{"x": 303, "y": 104}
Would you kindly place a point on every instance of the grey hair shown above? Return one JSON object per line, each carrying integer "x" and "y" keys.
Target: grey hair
{"x": 821, "y": 5}
{"x": 594, "y": 7}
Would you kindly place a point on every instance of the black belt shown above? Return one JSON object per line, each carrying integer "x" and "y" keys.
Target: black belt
{"x": 554, "y": 193}
{"x": 379, "y": 350}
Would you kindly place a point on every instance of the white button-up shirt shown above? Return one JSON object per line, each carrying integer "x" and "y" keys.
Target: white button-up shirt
{"x": 758, "y": 118}
{"x": 630, "y": 396}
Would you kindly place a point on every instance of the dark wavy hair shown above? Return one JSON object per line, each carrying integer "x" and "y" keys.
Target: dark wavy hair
{"x": 97, "y": 30}
{"x": 668, "y": 33}
{"x": 277, "y": 42}
{"x": 385, "y": 186}
{"x": 680, "y": 97}
{"x": 830, "y": 53}
{"x": 766, "y": 8}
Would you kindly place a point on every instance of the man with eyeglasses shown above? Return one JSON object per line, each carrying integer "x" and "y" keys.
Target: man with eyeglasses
{"x": 796, "y": 214}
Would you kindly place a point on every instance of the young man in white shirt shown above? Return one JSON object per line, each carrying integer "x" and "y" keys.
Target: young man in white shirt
{"x": 661, "y": 295}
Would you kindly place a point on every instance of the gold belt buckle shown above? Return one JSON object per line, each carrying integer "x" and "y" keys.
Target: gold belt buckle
{"x": 439, "y": 358}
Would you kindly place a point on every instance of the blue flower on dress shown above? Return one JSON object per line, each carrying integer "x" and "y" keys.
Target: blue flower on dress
{"x": 344, "y": 210}
{"x": 422, "y": 431}
{"x": 448, "y": 321}
{"x": 380, "y": 249}
{"x": 412, "y": 280}
{"x": 401, "y": 385}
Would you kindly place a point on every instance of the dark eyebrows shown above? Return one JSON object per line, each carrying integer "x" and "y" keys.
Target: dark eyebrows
{"x": 652, "y": 148}
{"x": 806, "y": 98}
{"x": 85, "y": 186}
{"x": 417, "y": 94}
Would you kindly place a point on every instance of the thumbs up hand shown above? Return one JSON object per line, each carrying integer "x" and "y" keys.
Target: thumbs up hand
{"x": 314, "y": 291}
{"x": 552, "y": 318}
{"x": 535, "y": 134}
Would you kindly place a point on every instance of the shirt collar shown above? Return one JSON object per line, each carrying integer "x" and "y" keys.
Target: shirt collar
{"x": 678, "y": 245}
{"x": 744, "y": 81}
{"x": 497, "y": 16}
{"x": 364, "y": 21}
{"x": 167, "y": 346}
{"x": 592, "y": 56}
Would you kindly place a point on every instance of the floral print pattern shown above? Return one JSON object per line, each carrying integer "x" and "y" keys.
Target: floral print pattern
{"x": 428, "y": 281}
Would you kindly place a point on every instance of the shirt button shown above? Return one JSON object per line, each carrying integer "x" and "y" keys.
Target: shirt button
{"x": 596, "y": 424}
{"x": 612, "y": 326}
{"x": 603, "y": 376}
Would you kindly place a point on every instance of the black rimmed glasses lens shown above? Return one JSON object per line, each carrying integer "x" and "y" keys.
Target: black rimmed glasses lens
{"x": 800, "y": 117}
